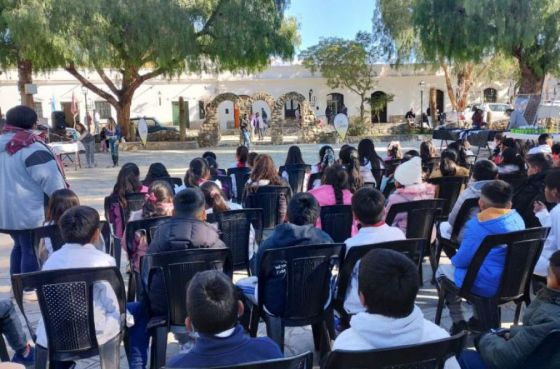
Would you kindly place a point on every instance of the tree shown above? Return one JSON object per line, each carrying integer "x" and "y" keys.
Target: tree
{"x": 378, "y": 103}
{"x": 472, "y": 31}
{"x": 461, "y": 73}
{"x": 347, "y": 63}
{"x": 128, "y": 42}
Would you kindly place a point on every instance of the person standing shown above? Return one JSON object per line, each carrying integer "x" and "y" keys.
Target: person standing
{"x": 89, "y": 144}
{"x": 329, "y": 114}
{"x": 264, "y": 120}
{"x": 29, "y": 173}
{"x": 245, "y": 134}
{"x": 96, "y": 122}
{"x": 114, "y": 136}
{"x": 257, "y": 124}
{"x": 410, "y": 117}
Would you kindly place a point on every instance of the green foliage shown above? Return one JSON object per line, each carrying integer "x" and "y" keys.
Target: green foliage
{"x": 379, "y": 102}
{"x": 358, "y": 127}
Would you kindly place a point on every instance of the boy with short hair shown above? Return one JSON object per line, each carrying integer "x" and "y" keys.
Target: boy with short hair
{"x": 552, "y": 220}
{"x": 545, "y": 145}
{"x": 213, "y": 313}
{"x": 505, "y": 349}
{"x": 495, "y": 217}
{"x": 532, "y": 189}
{"x": 79, "y": 227}
{"x": 388, "y": 285}
{"x": 368, "y": 206}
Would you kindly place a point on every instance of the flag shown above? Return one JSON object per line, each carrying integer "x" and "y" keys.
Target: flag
{"x": 73, "y": 106}
{"x": 53, "y": 104}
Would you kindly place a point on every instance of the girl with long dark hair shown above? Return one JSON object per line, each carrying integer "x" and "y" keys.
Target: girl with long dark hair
{"x": 155, "y": 172}
{"x": 369, "y": 160}
{"x": 349, "y": 158}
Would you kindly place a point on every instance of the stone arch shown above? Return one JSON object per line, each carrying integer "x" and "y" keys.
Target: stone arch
{"x": 308, "y": 120}
{"x": 266, "y": 97}
{"x": 209, "y": 134}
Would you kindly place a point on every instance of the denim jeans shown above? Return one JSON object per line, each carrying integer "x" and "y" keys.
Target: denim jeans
{"x": 138, "y": 338}
{"x": 90, "y": 153}
{"x": 10, "y": 326}
{"x": 23, "y": 258}
{"x": 470, "y": 359}
{"x": 114, "y": 147}
{"x": 247, "y": 139}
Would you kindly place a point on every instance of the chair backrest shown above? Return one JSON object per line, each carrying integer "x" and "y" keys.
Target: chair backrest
{"x": 135, "y": 201}
{"x": 463, "y": 216}
{"x": 110, "y": 248}
{"x": 178, "y": 268}
{"x": 546, "y": 353}
{"x": 66, "y": 303}
{"x": 522, "y": 252}
{"x": 391, "y": 165}
{"x": 227, "y": 186}
{"x": 449, "y": 189}
{"x": 302, "y": 361}
{"x": 378, "y": 174}
{"x": 149, "y": 226}
{"x": 296, "y": 175}
{"x": 241, "y": 177}
{"x": 314, "y": 178}
{"x": 267, "y": 198}
{"x": 424, "y": 213}
{"x": 429, "y": 355}
{"x": 298, "y": 279}
{"x": 50, "y": 231}
{"x": 516, "y": 180}
{"x": 336, "y": 221}
{"x": 412, "y": 248}
{"x": 235, "y": 227}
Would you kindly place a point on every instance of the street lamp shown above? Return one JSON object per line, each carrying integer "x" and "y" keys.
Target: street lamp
{"x": 421, "y": 85}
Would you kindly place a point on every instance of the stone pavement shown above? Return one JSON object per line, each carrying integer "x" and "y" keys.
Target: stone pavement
{"x": 92, "y": 185}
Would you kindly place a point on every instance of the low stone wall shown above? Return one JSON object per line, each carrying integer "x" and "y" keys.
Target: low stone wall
{"x": 156, "y": 146}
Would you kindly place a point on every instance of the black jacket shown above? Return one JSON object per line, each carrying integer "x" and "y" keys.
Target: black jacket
{"x": 178, "y": 234}
{"x": 532, "y": 190}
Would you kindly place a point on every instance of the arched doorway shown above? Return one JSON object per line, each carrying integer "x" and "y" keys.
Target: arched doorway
{"x": 226, "y": 115}
{"x": 490, "y": 95}
{"x": 440, "y": 101}
{"x": 335, "y": 101}
{"x": 378, "y": 107}
{"x": 297, "y": 104}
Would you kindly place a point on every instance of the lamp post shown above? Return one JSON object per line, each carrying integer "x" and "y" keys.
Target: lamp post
{"x": 421, "y": 85}
{"x": 85, "y": 92}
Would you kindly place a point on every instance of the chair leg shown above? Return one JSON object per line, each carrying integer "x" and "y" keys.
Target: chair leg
{"x": 131, "y": 295}
{"x": 318, "y": 333}
{"x": 3, "y": 350}
{"x": 488, "y": 314}
{"x": 254, "y": 321}
{"x": 441, "y": 302}
{"x": 275, "y": 330}
{"x": 517, "y": 312}
{"x": 42, "y": 358}
{"x": 159, "y": 348}
{"x": 109, "y": 354}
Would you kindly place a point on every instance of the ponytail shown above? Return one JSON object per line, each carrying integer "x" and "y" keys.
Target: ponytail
{"x": 350, "y": 159}
{"x": 337, "y": 177}
{"x": 214, "y": 197}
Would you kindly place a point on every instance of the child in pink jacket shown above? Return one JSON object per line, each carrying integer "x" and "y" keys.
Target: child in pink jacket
{"x": 410, "y": 187}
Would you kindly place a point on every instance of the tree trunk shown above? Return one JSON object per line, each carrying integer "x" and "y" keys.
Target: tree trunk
{"x": 531, "y": 82}
{"x": 123, "y": 118}
{"x": 362, "y": 108}
{"x": 25, "y": 76}
{"x": 182, "y": 119}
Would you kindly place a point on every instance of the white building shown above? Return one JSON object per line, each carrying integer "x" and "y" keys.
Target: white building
{"x": 159, "y": 97}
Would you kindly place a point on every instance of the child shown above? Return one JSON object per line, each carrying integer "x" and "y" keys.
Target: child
{"x": 410, "y": 187}
{"x": 394, "y": 151}
{"x": 495, "y": 217}
{"x": 89, "y": 144}
{"x": 103, "y": 140}
{"x": 159, "y": 203}
{"x": 388, "y": 285}
{"x": 60, "y": 201}
{"x": 367, "y": 206}
{"x": 241, "y": 157}
{"x": 11, "y": 328}
{"x": 213, "y": 313}
{"x": 552, "y": 220}
{"x": 80, "y": 230}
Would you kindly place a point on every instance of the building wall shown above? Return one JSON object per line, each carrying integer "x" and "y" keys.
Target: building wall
{"x": 156, "y": 96}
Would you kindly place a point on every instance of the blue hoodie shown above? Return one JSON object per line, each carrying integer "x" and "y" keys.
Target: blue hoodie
{"x": 488, "y": 222}
{"x": 210, "y": 351}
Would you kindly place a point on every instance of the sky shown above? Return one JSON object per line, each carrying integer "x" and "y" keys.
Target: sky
{"x": 330, "y": 18}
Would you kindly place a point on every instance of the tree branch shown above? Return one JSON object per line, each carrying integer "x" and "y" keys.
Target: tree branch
{"x": 206, "y": 29}
{"x": 107, "y": 80}
{"x": 93, "y": 88}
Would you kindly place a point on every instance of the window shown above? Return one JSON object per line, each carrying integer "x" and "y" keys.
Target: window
{"x": 39, "y": 109}
{"x": 290, "y": 108}
{"x": 103, "y": 108}
{"x": 201, "y": 110}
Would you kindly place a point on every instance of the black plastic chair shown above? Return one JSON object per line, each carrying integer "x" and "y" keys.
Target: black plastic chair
{"x": 66, "y": 303}
{"x": 516, "y": 180}
{"x": 4, "y": 350}
{"x": 235, "y": 228}
{"x": 241, "y": 177}
{"x": 546, "y": 353}
{"x": 296, "y": 175}
{"x": 428, "y": 355}
{"x": 412, "y": 248}
{"x": 449, "y": 189}
{"x": 178, "y": 268}
{"x": 135, "y": 201}
{"x": 336, "y": 221}
{"x": 522, "y": 252}
{"x": 424, "y": 213}
{"x": 451, "y": 245}
{"x": 314, "y": 178}
{"x": 391, "y": 165}
{"x": 227, "y": 186}
{"x": 149, "y": 226}
{"x": 303, "y": 275}
{"x": 378, "y": 174}
{"x": 303, "y": 361}
{"x": 268, "y": 199}
{"x": 50, "y": 231}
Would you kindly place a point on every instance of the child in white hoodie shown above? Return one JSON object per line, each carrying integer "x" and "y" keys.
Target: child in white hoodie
{"x": 388, "y": 285}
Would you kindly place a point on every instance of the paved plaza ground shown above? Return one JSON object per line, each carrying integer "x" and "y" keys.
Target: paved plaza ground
{"x": 92, "y": 185}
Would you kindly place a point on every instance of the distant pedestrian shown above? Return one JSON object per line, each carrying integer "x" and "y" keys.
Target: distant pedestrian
{"x": 88, "y": 141}
{"x": 114, "y": 137}
{"x": 245, "y": 133}
{"x": 258, "y": 125}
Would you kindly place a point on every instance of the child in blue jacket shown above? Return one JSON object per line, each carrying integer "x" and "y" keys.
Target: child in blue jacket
{"x": 495, "y": 217}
